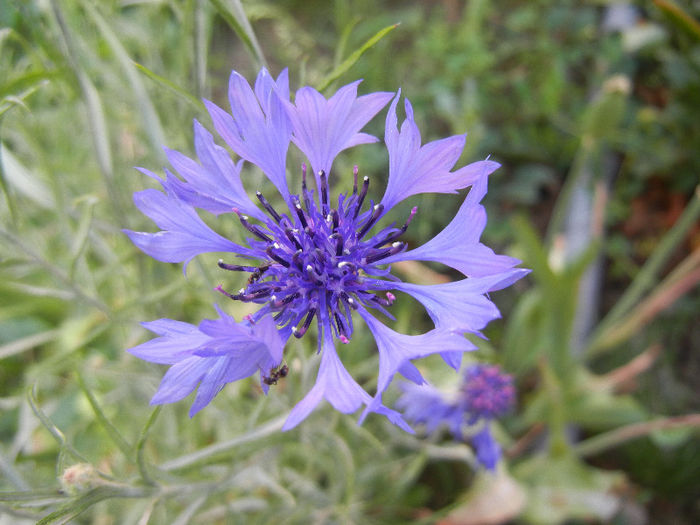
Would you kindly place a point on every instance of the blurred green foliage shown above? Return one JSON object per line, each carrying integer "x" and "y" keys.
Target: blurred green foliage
{"x": 552, "y": 90}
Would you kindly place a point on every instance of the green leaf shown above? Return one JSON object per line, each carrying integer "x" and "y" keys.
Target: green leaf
{"x": 679, "y": 17}
{"x": 354, "y": 57}
{"x": 565, "y": 488}
{"x": 235, "y": 17}
{"x": 171, "y": 86}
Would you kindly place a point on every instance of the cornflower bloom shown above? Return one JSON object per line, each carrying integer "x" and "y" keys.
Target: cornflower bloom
{"x": 486, "y": 394}
{"x": 323, "y": 260}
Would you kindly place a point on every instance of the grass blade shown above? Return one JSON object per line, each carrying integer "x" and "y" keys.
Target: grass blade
{"x": 346, "y": 64}
{"x": 143, "y": 101}
{"x": 236, "y": 18}
{"x": 170, "y": 86}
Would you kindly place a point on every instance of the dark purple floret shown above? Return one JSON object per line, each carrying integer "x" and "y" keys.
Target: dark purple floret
{"x": 316, "y": 259}
{"x": 488, "y": 392}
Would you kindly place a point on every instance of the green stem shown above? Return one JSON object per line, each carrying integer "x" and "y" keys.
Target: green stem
{"x": 602, "y": 442}
{"x": 646, "y": 277}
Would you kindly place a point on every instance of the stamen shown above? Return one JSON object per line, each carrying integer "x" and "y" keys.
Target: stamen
{"x": 355, "y": 171}
{"x": 381, "y": 300}
{"x": 339, "y": 324}
{"x": 376, "y": 213}
{"x": 268, "y": 207}
{"x": 361, "y": 197}
{"x": 296, "y": 259}
{"x": 338, "y": 243}
{"x": 386, "y": 252}
{"x": 220, "y": 289}
{"x": 299, "y": 333}
{"x": 324, "y": 189}
{"x": 300, "y": 214}
{"x": 277, "y": 303}
{"x": 392, "y": 237}
{"x": 290, "y": 235}
{"x": 235, "y": 267}
{"x": 255, "y": 230}
{"x": 276, "y": 257}
{"x": 304, "y": 188}
{"x": 335, "y": 218}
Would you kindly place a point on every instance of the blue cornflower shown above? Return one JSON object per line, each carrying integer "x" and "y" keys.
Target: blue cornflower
{"x": 486, "y": 393}
{"x": 322, "y": 260}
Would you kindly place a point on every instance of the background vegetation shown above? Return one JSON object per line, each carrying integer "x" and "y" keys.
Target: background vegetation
{"x": 591, "y": 107}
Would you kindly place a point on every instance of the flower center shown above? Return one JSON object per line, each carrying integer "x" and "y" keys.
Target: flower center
{"x": 488, "y": 392}
{"x": 318, "y": 260}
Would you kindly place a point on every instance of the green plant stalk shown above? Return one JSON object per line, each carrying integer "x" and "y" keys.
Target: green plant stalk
{"x": 558, "y": 442}
{"x": 608, "y": 440}
{"x": 111, "y": 430}
{"x": 140, "y": 444}
{"x": 205, "y": 453}
{"x": 55, "y": 271}
{"x": 647, "y": 276}
{"x": 578, "y": 170}
{"x": 53, "y": 429}
{"x": 5, "y": 187}
{"x": 664, "y": 295}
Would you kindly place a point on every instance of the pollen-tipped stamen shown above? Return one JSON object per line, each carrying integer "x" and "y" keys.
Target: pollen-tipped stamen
{"x": 324, "y": 190}
{"x": 301, "y": 215}
{"x": 393, "y": 236}
{"x": 268, "y": 207}
{"x": 276, "y": 257}
{"x": 255, "y": 230}
{"x": 299, "y": 333}
{"x": 235, "y": 267}
{"x": 373, "y": 218}
{"x": 361, "y": 197}
{"x": 290, "y": 235}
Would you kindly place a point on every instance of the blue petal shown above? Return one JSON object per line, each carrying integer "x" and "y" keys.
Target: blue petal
{"x": 323, "y": 128}
{"x": 258, "y": 129}
{"x": 417, "y": 169}
{"x": 214, "y": 186}
{"x": 181, "y": 379}
{"x": 396, "y": 349}
{"x": 460, "y": 305}
{"x": 427, "y": 405}
{"x": 458, "y": 244}
{"x": 488, "y": 451}
{"x": 217, "y": 352}
{"x": 184, "y": 234}
{"x": 176, "y": 342}
{"x": 335, "y": 384}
